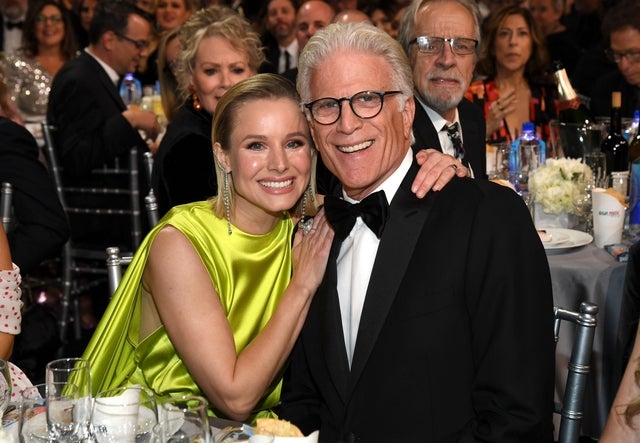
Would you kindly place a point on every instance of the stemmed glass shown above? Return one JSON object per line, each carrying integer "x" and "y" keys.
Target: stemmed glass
{"x": 71, "y": 379}
{"x": 5, "y": 386}
{"x": 187, "y": 429}
{"x": 242, "y": 433}
{"x": 186, "y": 406}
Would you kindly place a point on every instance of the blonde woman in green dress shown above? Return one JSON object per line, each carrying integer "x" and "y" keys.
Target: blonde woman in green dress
{"x": 210, "y": 305}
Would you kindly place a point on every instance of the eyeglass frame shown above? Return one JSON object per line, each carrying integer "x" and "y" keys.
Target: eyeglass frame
{"x": 631, "y": 56}
{"x": 139, "y": 44}
{"x": 380, "y": 94}
{"x": 444, "y": 40}
{"x": 55, "y": 19}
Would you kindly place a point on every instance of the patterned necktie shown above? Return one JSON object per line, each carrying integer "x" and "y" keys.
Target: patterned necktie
{"x": 453, "y": 131}
{"x": 374, "y": 210}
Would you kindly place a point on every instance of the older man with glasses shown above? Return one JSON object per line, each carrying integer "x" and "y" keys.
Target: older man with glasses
{"x": 621, "y": 26}
{"x": 441, "y": 39}
{"x": 434, "y": 320}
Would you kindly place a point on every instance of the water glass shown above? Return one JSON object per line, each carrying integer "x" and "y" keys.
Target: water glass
{"x": 124, "y": 415}
{"x": 187, "y": 406}
{"x": 32, "y": 422}
{"x": 242, "y": 433}
{"x": 597, "y": 161}
{"x": 74, "y": 373}
{"x": 188, "y": 429}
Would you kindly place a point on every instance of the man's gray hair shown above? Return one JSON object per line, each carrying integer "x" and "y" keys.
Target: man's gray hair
{"x": 355, "y": 37}
{"x": 406, "y": 32}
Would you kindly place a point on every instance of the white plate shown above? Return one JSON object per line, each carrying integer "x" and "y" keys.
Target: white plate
{"x": 564, "y": 240}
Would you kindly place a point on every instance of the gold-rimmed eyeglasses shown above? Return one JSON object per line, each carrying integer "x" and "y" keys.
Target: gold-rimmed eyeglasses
{"x": 364, "y": 104}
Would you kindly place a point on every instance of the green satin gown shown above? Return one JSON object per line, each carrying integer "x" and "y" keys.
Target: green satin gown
{"x": 249, "y": 273}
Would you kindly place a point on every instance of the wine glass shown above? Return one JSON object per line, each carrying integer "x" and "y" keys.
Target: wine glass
{"x": 185, "y": 406}
{"x": 32, "y": 427}
{"x": 124, "y": 414}
{"x": 63, "y": 422}
{"x": 187, "y": 429}
{"x": 242, "y": 433}
{"x": 74, "y": 373}
{"x": 5, "y": 386}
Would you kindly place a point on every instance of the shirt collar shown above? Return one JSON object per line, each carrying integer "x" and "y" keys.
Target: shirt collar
{"x": 113, "y": 75}
{"x": 437, "y": 120}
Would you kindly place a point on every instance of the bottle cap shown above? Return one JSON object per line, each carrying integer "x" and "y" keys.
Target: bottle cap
{"x": 528, "y": 127}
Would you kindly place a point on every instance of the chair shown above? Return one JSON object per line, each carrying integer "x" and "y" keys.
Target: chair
{"x": 570, "y": 409}
{"x": 150, "y": 202}
{"x": 114, "y": 267}
{"x": 78, "y": 260}
{"x": 6, "y": 194}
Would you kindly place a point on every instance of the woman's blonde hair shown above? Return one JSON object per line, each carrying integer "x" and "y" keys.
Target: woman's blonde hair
{"x": 226, "y": 119}
{"x": 215, "y": 21}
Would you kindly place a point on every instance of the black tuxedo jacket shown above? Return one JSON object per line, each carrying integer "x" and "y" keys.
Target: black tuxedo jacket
{"x": 473, "y": 134}
{"x": 86, "y": 108}
{"x": 455, "y": 342}
{"x": 41, "y": 225}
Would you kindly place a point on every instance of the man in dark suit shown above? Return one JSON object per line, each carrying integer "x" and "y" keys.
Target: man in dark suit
{"x": 442, "y": 72}
{"x": 94, "y": 127}
{"x": 41, "y": 226}
{"x": 281, "y": 45}
{"x": 621, "y": 26}
{"x": 434, "y": 320}
{"x": 12, "y": 15}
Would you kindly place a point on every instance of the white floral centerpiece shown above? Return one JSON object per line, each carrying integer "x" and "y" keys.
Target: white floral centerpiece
{"x": 554, "y": 188}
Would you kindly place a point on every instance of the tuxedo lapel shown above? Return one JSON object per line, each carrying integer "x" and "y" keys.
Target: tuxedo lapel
{"x": 424, "y": 132}
{"x": 396, "y": 247}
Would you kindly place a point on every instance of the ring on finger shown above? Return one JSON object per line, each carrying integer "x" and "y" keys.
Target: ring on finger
{"x": 454, "y": 166}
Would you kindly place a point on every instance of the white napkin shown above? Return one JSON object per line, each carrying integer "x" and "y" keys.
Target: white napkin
{"x": 311, "y": 438}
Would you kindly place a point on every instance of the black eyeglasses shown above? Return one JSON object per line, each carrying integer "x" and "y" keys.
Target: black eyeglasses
{"x": 435, "y": 45}
{"x": 365, "y": 104}
{"x": 631, "y": 56}
{"x": 139, "y": 44}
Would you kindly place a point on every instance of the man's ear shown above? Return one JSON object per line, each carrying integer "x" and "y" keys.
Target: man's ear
{"x": 408, "y": 114}
{"x": 108, "y": 40}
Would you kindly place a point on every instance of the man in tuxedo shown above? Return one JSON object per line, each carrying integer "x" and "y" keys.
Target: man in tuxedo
{"x": 442, "y": 72}
{"x": 41, "y": 226}
{"x": 94, "y": 127}
{"x": 280, "y": 41}
{"x": 434, "y": 320}
{"x": 12, "y": 15}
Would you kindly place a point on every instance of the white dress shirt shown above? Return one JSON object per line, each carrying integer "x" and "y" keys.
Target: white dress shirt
{"x": 355, "y": 261}
{"x": 292, "y": 50}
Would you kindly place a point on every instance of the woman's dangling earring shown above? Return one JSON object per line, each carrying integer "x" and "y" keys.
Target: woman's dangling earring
{"x": 194, "y": 97}
{"x": 305, "y": 223}
{"x": 226, "y": 199}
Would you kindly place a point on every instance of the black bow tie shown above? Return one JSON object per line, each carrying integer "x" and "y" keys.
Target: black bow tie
{"x": 374, "y": 210}
{"x": 16, "y": 25}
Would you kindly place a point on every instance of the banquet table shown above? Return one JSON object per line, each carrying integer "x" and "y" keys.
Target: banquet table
{"x": 591, "y": 274}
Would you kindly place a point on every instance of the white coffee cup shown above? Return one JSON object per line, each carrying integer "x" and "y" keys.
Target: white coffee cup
{"x": 608, "y": 218}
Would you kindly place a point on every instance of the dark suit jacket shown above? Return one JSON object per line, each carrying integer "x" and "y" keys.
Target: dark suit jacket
{"x": 456, "y": 337}
{"x": 86, "y": 108}
{"x": 601, "y": 95}
{"x": 41, "y": 225}
{"x": 473, "y": 134}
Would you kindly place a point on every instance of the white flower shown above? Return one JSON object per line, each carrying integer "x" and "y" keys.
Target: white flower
{"x": 556, "y": 184}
